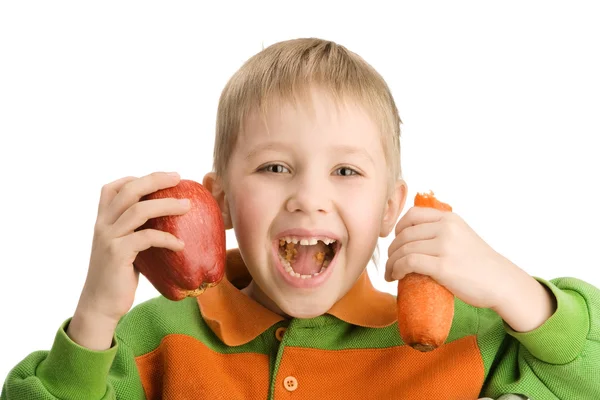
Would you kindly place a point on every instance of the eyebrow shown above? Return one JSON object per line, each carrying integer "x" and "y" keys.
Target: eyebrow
{"x": 338, "y": 149}
{"x": 351, "y": 150}
{"x": 265, "y": 146}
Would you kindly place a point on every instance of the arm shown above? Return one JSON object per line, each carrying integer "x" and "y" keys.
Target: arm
{"x": 547, "y": 347}
{"x": 86, "y": 360}
{"x": 558, "y": 359}
{"x": 526, "y": 303}
{"x": 70, "y": 371}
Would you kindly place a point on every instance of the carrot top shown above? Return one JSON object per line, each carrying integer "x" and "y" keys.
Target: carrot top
{"x": 429, "y": 200}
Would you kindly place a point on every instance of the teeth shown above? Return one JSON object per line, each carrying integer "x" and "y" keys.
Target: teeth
{"x": 308, "y": 241}
{"x": 290, "y": 239}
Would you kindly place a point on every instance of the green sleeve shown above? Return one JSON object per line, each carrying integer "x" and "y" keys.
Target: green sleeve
{"x": 558, "y": 360}
{"x": 69, "y": 371}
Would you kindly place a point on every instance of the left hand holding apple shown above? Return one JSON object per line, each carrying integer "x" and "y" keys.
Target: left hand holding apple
{"x": 441, "y": 245}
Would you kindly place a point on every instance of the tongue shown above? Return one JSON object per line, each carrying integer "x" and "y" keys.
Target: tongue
{"x": 306, "y": 260}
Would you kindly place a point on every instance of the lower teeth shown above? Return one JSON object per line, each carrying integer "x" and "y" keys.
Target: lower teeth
{"x": 288, "y": 268}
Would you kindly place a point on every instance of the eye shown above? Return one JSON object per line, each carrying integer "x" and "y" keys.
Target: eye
{"x": 274, "y": 168}
{"x": 347, "y": 171}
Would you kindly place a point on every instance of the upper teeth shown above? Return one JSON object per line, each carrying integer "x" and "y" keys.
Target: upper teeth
{"x": 307, "y": 241}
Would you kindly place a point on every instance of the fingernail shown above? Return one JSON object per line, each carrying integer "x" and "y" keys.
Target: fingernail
{"x": 173, "y": 174}
{"x": 184, "y": 202}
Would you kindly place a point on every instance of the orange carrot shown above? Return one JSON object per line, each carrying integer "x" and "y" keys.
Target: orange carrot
{"x": 425, "y": 308}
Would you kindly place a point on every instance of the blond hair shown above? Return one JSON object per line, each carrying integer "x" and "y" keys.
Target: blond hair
{"x": 285, "y": 71}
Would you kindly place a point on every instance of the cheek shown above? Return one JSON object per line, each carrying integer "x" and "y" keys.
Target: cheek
{"x": 364, "y": 209}
{"x": 251, "y": 212}
{"x": 363, "y": 221}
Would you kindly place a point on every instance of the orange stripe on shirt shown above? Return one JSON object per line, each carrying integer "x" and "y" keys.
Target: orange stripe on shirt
{"x": 184, "y": 368}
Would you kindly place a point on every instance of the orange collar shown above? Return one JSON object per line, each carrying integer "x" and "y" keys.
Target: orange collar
{"x": 226, "y": 309}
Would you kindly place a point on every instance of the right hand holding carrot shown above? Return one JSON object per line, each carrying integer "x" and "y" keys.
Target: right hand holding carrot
{"x": 436, "y": 248}
{"x": 425, "y": 308}
{"x": 111, "y": 282}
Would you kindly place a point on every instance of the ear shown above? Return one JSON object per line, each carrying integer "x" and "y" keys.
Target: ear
{"x": 215, "y": 186}
{"x": 393, "y": 208}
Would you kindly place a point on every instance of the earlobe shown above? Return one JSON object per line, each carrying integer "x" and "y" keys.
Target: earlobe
{"x": 214, "y": 185}
{"x": 393, "y": 208}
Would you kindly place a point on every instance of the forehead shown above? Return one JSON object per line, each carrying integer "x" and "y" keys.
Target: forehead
{"x": 317, "y": 116}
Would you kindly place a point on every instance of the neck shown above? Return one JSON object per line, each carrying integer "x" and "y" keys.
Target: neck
{"x": 256, "y": 294}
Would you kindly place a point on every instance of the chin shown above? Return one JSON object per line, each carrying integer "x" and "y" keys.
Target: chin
{"x": 306, "y": 310}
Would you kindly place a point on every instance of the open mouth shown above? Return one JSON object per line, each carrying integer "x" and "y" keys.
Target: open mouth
{"x": 306, "y": 258}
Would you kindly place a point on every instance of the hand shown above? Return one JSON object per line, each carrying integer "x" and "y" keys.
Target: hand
{"x": 441, "y": 245}
{"x": 111, "y": 282}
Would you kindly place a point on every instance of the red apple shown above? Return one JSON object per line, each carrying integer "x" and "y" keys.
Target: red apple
{"x": 201, "y": 264}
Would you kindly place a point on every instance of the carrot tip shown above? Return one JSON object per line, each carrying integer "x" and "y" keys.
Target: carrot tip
{"x": 423, "y": 348}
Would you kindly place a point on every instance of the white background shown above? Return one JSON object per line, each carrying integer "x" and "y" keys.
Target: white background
{"x": 500, "y": 104}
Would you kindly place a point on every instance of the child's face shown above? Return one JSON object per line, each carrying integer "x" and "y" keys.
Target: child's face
{"x": 315, "y": 176}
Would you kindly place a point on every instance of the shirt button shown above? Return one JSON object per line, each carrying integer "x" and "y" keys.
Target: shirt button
{"x": 290, "y": 383}
{"x": 279, "y": 333}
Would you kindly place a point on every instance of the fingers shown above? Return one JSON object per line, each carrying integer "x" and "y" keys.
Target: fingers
{"x": 146, "y": 238}
{"x": 411, "y": 257}
{"x": 414, "y": 262}
{"x": 132, "y": 191}
{"x": 418, "y": 215}
{"x": 136, "y": 215}
{"x": 110, "y": 190}
{"x": 425, "y": 231}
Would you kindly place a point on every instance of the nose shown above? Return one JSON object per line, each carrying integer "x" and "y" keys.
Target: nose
{"x": 309, "y": 194}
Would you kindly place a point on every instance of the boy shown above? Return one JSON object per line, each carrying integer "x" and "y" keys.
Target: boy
{"x": 307, "y": 161}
